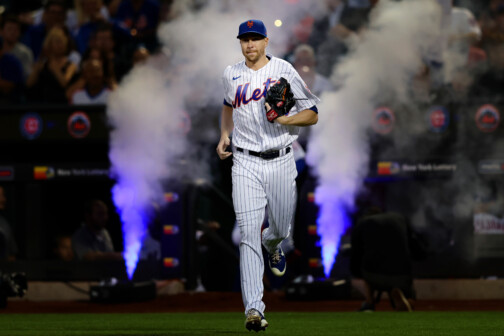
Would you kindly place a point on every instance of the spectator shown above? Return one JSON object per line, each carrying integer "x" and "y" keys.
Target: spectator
{"x": 305, "y": 63}
{"x": 141, "y": 18}
{"x": 382, "y": 248}
{"x": 52, "y": 74}
{"x": 95, "y": 89}
{"x": 11, "y": 77}
{"x": 108, "y": 65}
{"x": 103, "y": 41}
{"x": 492, "y": 22}
{"x": 332, "y": 33}
{"x": 62, "y": 248}
{"x": 8, "y": 246}
{"x": 92, "y": 240}
{"x": 463, "y": 34}
{"x": 54, "y": 15}
{"x": 91, "y": 10}
{"x": 10, "y": 32}
{"x": 91, "y": 16}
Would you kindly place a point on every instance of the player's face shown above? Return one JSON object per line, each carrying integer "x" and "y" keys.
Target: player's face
{"x": 253, "y": 47}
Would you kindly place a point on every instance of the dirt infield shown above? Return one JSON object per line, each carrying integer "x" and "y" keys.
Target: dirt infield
{"x": 231, "y": 302}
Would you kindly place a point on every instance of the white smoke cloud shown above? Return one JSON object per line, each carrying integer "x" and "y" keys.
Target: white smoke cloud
{"x": 381, "y": 64}
{"x": 384, "y": 61}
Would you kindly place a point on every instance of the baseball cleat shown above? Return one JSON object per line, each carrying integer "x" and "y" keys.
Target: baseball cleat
{"x": 255, "y": 321}
{"x": 277, "y": 262}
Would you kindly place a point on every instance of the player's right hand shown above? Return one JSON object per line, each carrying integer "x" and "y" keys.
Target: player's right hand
{"x": 221, "y": 148}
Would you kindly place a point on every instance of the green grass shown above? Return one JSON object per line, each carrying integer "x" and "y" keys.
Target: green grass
{"x": 292, "y": 324}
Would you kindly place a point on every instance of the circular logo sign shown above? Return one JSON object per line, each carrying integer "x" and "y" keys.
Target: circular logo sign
{"x": 383, "y": 120}
{"x": 438, "y": 119}
{"x": 487, "y": 118}
{"x": 31, "y": 126}
{"x": 79, "y": 125}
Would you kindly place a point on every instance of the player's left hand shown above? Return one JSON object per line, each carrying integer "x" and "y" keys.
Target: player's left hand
{"x": 281, "y": 119}
{"x": 279, "y": 100}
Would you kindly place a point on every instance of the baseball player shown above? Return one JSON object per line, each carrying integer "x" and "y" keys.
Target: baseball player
{"x": 265, "y": 102}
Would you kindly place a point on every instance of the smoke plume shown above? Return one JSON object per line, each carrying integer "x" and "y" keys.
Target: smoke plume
{"x": 381, "y": 63}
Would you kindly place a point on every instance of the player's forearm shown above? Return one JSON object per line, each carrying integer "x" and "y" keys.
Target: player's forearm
{"x": 227, "y": 124}
{"x": 303, "y": 118}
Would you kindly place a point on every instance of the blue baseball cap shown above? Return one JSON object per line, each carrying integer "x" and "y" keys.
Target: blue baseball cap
{"x": 252, "y": 27}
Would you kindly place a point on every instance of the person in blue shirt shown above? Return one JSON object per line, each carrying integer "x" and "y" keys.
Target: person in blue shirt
{"x": 141, "y": 18}
{"x": 54, "y": 15}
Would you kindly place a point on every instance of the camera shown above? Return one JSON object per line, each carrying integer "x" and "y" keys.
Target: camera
{"x": 12, "y": 285}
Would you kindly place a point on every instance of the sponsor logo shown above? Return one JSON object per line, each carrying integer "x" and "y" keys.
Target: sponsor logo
{"x": 43, "y": 173}
{"x": 487, "y": 118}
{"x": 235, "y": 78}
{"x": 79, "y": 125}
{"x": 170, "y": 229}
{"x": 171, "y": 197}
{"x": 491, "y": 167}
{"x": 31, "y": 125}
{"x": 485, "y": 223}
{"x": 314, "y": 263}
{"x": 6, "y": 173}
{"x": 312, "y": 230}
{"x": 170, "y": 262}
{"x": 438, "y": 119}
{"x": 383, "y": 120}
{"x": 388, "y": 168}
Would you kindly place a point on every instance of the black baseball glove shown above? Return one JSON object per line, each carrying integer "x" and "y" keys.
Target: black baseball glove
{"x": 280, "y": 98}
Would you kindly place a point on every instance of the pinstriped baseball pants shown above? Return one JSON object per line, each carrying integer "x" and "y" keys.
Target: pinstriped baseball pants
{"x": 257, "y": 183}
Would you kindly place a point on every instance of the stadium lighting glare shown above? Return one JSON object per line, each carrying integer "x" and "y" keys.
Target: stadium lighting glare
{"x": 278, "y": 23}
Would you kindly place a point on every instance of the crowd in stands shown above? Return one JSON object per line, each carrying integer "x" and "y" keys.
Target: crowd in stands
{"x": 73, "y": 52}
{"x": 77, "y": 51}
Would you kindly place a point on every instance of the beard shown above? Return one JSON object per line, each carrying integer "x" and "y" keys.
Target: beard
{"x": 253, "y": 57}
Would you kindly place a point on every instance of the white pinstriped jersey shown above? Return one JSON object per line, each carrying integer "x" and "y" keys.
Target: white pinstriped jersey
{"x": 245, "y": 90}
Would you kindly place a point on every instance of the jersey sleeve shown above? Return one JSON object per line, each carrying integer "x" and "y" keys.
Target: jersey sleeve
{"x": 228, "y": 99}
{"x": 301, "y": 91}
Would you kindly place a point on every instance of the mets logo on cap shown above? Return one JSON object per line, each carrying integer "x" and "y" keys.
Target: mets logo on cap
{"x": 252, "y": 27}
{"x": 79, "y": 125}
{"x": 438, "y": 119}
{"x": 31, "y": 126}
{"x": 487, "y": 118}
{"x": 383, "y": 120}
